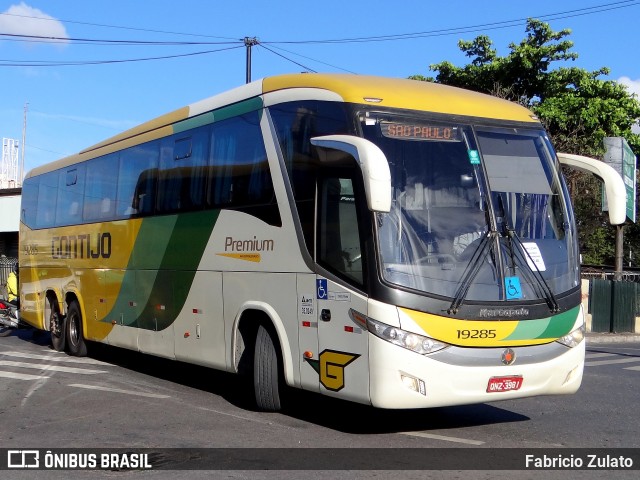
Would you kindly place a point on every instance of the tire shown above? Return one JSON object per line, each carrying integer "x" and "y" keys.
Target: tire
{"x": 5, "y": 331}
{"x": 266, "y": 372}
{"x": 57, "y": 326}
{"x": 75, "y": 337}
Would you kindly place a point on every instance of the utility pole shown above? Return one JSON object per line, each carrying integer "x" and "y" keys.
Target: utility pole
{"x": 249, "y": 42}
{"x": 23, "y": 145}
{"x": 619, "y": 252}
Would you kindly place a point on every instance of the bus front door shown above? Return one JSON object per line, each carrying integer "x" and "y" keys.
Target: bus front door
{"x": 342, "y": 361}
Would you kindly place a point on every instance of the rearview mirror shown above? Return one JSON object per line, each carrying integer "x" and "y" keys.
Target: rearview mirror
{"x": 373, "y": 164}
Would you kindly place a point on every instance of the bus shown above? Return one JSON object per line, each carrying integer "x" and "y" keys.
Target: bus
{"x": 397, "y": 243}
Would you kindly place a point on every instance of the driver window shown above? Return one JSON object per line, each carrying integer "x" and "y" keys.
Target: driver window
{"x": 338, "y": 230}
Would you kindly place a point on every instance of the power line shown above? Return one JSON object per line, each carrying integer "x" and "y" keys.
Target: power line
{"x": 288, "y": 59}
{"x": 381, "y": 38}
{"x": 94, "y": 41}
{"x": 312, "y": 59}
{"x": 378, "y": 38}
{"x": 469, "y": 29}
{"x": 146, "y": 30}
{"x": 52, "y": 63}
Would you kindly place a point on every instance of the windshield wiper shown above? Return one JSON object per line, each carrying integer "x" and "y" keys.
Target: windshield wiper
{"x": 543, "y": 287}
{"x": 535, "y": 279}
{"x": 470, "y": 273}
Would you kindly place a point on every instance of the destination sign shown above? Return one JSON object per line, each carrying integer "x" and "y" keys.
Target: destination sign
{"x": 415, "y": 131}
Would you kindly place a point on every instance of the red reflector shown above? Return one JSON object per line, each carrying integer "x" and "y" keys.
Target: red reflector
{"x": 306, "y": 324}
{"x": 347, "y": 328}
{"x": 197, "y": 310}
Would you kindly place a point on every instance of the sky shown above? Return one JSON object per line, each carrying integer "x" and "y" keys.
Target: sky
{"x": 108, "y": 65}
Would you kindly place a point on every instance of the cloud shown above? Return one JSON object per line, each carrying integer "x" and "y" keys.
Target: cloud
{"x": 25, "y": 20}
{"x": 634, "y": 87}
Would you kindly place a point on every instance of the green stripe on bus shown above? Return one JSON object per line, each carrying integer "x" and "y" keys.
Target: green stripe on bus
{"x": 162, "y": 267}
{"x": 193, "y": 122}
{"x": 239, "y": 108}
{"x": 529, "y": 329}
{"x": 551, "y": 327}
{"x": 561, "y": 324}
{"x": 231, "y": 111}
{"x": 178, "y": 269}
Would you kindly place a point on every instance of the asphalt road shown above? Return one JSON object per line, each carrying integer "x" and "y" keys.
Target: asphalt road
{"x": 120, "y": 399}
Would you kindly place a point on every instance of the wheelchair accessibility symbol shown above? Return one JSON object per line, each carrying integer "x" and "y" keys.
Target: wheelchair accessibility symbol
{"x": 512, "y": 288}
{"x": 321, "y": 285}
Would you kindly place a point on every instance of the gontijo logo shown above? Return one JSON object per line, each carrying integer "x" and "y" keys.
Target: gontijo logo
{"x": 248, "y": 250}
{"x": 330, "y": 367}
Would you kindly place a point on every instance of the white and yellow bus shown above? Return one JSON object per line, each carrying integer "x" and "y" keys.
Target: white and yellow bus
{"x": 392, "y": 242}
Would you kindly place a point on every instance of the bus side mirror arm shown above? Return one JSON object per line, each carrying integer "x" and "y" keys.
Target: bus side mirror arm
{"x": 613, "y": 183}
{"x": 373, "y": 164}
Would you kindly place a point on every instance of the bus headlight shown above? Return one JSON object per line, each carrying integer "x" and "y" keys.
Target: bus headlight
{"x": 573, "y": 339}
{"x": 411, "y": 341}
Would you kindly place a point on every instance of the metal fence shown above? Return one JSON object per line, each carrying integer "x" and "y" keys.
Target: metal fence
{"x": 590, "y": 273}
{"x": 6, "y": 265}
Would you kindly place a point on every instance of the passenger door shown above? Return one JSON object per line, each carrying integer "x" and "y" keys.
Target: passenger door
{"x": 342, "y": 361}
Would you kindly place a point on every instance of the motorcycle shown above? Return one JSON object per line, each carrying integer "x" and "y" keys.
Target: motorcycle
{"x": 9, "y": 318}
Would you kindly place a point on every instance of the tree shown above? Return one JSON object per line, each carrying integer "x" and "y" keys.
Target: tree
{"x": 576, "y": 106}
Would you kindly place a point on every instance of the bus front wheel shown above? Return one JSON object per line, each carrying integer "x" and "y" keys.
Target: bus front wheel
{"x": 266, "y": 371}
{"x": 75, "y": 339}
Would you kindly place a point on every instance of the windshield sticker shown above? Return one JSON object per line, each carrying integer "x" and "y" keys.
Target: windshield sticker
{"x": 512, "y": 288}
{"x": 323, "y": 291}
{"x": 534, "y": 256}
{"x": 474, "y": 157}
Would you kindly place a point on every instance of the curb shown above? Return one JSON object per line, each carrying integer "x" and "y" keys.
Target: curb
{"x": 598, "y": 338}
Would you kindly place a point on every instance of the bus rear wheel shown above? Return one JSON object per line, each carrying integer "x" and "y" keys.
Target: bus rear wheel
{"x": 75, "y": 338}
{"x": 57, "y": 325}
{"x": 266, "y": 371}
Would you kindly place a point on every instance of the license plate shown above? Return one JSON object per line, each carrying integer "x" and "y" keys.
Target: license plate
{"x": 504, "y": 384}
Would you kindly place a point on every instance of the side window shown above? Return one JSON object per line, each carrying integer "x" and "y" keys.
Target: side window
{"x": 240, "y": 176}
{"x": 137, "y": 180}
{"x": 47, "y": 199}
{"x": 183, "y": 171}
{"x": 296, "y": 123}
{"x": 70, "y": 195}
{"x": 100, "y": 192}
{"x": 338, "y": 241}
{"x": 30, "y": 201}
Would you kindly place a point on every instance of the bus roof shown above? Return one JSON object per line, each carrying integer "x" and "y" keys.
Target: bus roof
{"x": 382, "y": 91}
{"x": 405, "y": 94}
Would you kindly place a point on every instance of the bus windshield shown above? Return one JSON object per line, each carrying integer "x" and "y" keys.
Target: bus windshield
{"x": 466, "y": 194}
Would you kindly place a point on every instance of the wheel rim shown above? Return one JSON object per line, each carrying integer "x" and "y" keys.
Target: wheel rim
{"x": 73, "y": 329}
{"x": 54, "y": 324}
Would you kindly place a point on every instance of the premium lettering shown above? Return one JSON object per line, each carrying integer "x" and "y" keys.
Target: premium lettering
{"x": 253, "y": 245}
